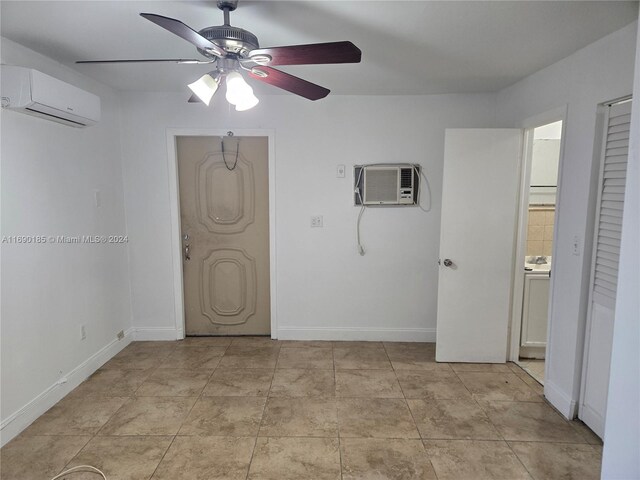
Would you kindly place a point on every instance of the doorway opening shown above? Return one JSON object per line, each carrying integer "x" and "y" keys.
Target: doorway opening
{"x": 533, "y": 272}
{"x": 222, "y": 225}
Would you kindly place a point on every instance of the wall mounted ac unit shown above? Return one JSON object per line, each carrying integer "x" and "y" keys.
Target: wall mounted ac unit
{"x": 388, "y": 184}
{"x": 35, "y": 93}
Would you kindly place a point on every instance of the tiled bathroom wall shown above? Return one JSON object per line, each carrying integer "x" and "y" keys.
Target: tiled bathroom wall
{"x": 540, "y": 231}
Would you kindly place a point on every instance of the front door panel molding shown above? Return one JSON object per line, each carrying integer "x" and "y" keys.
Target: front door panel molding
{"x": 228, "y": 286}
{"x": 225, "y": 199}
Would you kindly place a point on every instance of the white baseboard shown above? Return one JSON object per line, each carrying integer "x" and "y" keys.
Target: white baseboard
{"x": 25, "y": 416}
{"x": 156, "y": 333}
{"x": 560, "y": 400}
{"x": 358, "y": 333}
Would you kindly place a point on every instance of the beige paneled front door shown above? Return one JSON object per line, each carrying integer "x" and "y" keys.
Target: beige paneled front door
{"x": 224, "y": 209}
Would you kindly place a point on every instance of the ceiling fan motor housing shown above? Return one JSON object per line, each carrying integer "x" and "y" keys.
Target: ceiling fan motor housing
{"x": 234, "y": 40}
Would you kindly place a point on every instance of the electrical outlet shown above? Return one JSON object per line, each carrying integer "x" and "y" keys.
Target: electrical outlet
{"x": 83, "y": 332}
{"x": 120, "y": 334}
{"x": 340, "y": 171}
{"x": 316, "y": 220}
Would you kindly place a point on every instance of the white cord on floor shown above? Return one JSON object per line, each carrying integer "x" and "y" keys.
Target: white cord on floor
{"x": 78, "y": 469}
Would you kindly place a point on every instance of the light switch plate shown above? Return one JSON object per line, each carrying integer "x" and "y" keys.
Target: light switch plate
{"x": 340, "y": 169}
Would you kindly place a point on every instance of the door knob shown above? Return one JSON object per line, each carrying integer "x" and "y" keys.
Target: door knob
{"x": 447, "y": 262}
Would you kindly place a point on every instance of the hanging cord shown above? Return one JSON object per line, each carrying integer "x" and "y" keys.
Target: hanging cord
{"x": 360, "y": 247}
{"x": 80, "y": 469}
{"x": 420, "y": 172}
{"x": 230, "y": 134}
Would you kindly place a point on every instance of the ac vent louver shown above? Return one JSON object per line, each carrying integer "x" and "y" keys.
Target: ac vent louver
{"x": 405, "y": 177}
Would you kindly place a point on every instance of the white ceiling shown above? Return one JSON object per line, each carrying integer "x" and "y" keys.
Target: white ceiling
{"x": 408, "y": 47}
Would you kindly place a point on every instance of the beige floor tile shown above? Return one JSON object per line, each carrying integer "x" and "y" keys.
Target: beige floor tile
{"x": 113, "y": 383}
{"x": 225, "y": 416}
{"x": 121, "y": 458}
{"x": 305, "y": 344}
{"x": 206, "y": 458}
{"x": 536, "y": 422}
{"x": 300, "y": 417}
{"x": 160, "y": 347}
{"x": 375, "y": 418}
{"x": 551, "y": 461}
{"x": 532, "y": 382}
{"x": 585, "y": 432}
{"x": 434, "y": 384}
{"x": 481, "y": 367}
{"x": 355, "y": 358}
{"x": 206, "y": 358}
{"x": 414, "y": 356}
{"x": 149, "y": 416}
{"x": 498, "y": 387}
{"x": 255, "y": 342}
{"x": 367, "y": 383}
{"x": 384, "y": 459}
{"x": 239, "y": 382}
{"x": 415, "y": 346}
{"x": 205, "y": 342}
{"x": 352, "y": 344}
{"x": 250, "y": 357}
{"x": 460, "y": 418}
{"x": 474, "y": 460}
{"x": 174, "y": 382}
{"x": 76, "y": 415}
{"x": 305, "y": 358}
{"x": 132, "y": 358}
{"x": 303, "y": 383}
{"x": 295, "y": 459}
{"x": 41, "y": 457}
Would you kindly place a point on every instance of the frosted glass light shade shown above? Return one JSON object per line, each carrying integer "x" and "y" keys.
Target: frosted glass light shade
{"x": 240, "y": 93}
{"x": 205, "y": 87}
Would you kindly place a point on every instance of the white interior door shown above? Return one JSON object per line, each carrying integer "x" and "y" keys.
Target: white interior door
{"x": 479, "y": 218}
{"x": 604, "y": 276}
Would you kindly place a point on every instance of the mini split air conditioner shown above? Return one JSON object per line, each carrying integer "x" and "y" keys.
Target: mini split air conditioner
{"x": 389, "y": 184}
{"x": 35, "y": 93}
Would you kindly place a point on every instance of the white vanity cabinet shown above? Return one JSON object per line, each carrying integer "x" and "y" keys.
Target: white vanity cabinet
{"x": 535, "y": 309}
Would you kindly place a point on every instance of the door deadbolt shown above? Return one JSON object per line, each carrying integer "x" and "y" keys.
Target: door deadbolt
{"x": 447, "y": 262}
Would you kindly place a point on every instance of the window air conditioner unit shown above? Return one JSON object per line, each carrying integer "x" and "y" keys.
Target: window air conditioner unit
{"x": 391, "y": 184}
{"x": 35, "y": 93}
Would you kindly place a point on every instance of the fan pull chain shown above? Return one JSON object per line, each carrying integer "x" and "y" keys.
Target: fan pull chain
{"x": 230, "y": 134}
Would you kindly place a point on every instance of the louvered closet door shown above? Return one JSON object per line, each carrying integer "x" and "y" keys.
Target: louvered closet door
{"x": 604, "y": 277}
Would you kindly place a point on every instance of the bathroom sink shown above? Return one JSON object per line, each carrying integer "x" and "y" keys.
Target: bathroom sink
{"x": 531, "y": 264}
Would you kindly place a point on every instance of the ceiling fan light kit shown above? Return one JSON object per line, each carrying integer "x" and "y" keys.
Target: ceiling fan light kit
{"x": 233, "y": 49}
{"x": 205, "y": 87}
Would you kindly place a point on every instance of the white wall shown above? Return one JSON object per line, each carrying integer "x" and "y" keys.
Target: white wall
{"x": 49, "y": 174}
{"x": 324, "y": 288}
{"x": 621, "y": 456}
{"x": 601, "y": 71}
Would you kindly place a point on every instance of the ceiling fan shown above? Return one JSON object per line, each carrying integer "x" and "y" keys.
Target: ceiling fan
{"x": 233, "y": 49}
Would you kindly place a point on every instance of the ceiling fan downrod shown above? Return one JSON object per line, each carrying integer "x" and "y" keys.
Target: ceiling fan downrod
{"x": 227, "y": 6}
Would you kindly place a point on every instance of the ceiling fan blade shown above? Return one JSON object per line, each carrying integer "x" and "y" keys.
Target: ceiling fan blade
{"x": 184, "y": 31}
{"x": 288, "y": 82}
{"x": 312, "y": 54}
{"x": 189, "y": 61}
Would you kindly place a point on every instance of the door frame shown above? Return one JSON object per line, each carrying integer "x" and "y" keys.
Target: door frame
{"x": 176, "y": 229}
{"x": 551, "y": 116}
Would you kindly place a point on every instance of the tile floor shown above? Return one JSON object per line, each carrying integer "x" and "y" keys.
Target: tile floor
{"x": 535, "y": 368}
{"x": 254, "y": 408}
